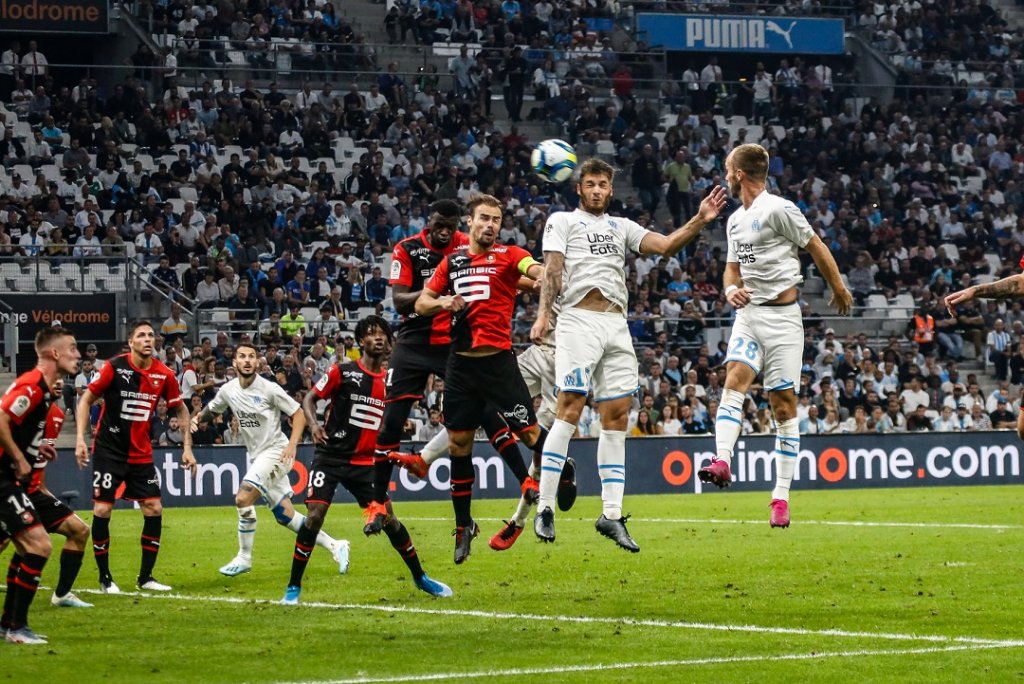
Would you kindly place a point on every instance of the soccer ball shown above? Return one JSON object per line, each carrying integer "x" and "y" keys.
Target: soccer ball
{"x": 553, "y": 160}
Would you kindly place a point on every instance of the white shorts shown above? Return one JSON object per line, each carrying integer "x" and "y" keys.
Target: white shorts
{"x": 594, "y": 353}
{"x": 270, "y": 476}
{"x": 537, "y": 366}
{"x": 769, "y": 339}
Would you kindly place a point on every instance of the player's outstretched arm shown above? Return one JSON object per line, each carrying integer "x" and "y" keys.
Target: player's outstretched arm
{"x": 309, "y": 410}
{"x": 842, "y": 298}
{"x": 550, "y": 288}
{"x": 81, "y": 421}
{"x": 1006, "y": 288}
{"x": 669, "y": 245}
{"x": 22, "y": 468}
{"x": 188, "y": 459}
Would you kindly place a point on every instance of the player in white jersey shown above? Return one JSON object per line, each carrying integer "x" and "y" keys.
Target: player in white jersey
{"x": 258, "y": 405}
{"x": 584, "y": 268}
{"x": 762, "y": 272}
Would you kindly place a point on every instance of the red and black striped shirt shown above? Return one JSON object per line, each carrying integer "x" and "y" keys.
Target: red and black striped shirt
{"x": 27, "y": 402}
{"x": 130, "y": 395}
{"x": 413, "y": 261}
{"x": 355, "y": 414}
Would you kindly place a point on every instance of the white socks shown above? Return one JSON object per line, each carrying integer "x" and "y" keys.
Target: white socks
{"x": 435, "y": 448}
{"x": 323, "y": 540}
{"x": 246, "y": 532}
{"x": 728, "y": 423}
{"x": 611, "y": 463}
{"x": 556, "y": 446}
{"x": 787, "y": 448}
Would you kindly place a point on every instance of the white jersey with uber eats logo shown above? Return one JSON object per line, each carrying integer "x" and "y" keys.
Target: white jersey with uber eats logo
{"x": 764, "y": 241}
{"x": 595, "y": 253}
{"x": 258, "y": 409}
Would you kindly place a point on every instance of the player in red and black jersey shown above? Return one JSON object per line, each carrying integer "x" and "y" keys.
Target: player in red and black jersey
{"x": 344, "y": 452}
{"x": 130, "y": 386}
{"x": 421, "y": 350}
{"x": 57, "y": 517}
{"x": 23, "y": 412}
{"x": 1006, "y": 288}
{"x": 482, "y": 371}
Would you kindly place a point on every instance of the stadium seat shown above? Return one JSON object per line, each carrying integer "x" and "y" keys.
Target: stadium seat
{"x": 950, "y": 251}
{"x": 876, "y": 302}
{"x": 71, "y": 275}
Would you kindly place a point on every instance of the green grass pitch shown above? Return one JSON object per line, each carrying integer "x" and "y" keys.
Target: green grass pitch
{"x": 866, "y": 586}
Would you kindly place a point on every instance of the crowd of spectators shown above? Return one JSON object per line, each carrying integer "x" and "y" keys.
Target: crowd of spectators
{"x": 234, "y": 198}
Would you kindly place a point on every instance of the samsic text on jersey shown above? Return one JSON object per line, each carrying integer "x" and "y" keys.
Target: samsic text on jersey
{"x": 354, "y": 415}
{"x": 130, "y": 395}
{"x": 413, "y": 261}
{"x": 27, "y": 403}
{"x": 487, "y": 282}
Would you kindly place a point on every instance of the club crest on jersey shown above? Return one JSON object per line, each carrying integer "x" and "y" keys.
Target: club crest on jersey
{"x": 490, "y": 258}
{"x": 755, "y": 225}
{"x": 126, "y": 373}
{"x": 26, "y": 517}
{"x": 257, "y": 400}
{"x": 613, "y": 224}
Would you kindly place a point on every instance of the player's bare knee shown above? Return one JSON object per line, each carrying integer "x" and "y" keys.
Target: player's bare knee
{"x": 78, "y": 532}
{"x": 315, "y": 518}
{"x": 101, "y": 509}
{"x": 570, "y": 406}
{"x": 151, "y": 507}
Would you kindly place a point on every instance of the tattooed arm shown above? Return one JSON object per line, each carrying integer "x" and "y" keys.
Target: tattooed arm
{"x": 1007, "y": 288}
{"x": 551, "y": 287}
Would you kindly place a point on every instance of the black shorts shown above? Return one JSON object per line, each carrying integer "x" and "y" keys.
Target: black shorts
{"x": 51, "y": 510}
{"x": 410, "y": 367}
{"x": 326, "y": 474}
{"x": 477, "y": 385}
{"x": 140, "y": 480}
{"x": 17, "y": 513}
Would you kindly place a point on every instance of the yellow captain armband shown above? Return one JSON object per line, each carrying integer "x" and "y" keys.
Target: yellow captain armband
{"x": 526, "y": 263}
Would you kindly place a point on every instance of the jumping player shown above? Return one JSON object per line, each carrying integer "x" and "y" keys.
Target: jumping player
{"x": 130, "y": 386}
{"x": 258, "y": 405}
{"x": 345, "y": 453}
{"x": 481, "y": 372}
{"x": 537, "y": 366}
{"x": 23, "y": 412}
{"x": 762, "y": 272}
{"x": 421, "y": 350}
{"x": 585, "y": 256}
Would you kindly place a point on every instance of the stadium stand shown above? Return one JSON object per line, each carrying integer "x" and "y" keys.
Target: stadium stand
{"x": 183, "y": 187}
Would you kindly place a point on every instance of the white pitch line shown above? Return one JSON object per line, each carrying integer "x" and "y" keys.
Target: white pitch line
{"x": 736, "y": 521}
{"x": 584, "y": 619}
{"x": 694, "y": 662}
